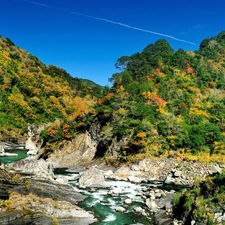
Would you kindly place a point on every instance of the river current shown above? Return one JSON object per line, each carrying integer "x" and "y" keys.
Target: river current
{"x": 103, "y": 202}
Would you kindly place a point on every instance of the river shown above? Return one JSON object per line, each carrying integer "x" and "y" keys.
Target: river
{"x": 21, "y": 154}
{"x": 104, "y": 201}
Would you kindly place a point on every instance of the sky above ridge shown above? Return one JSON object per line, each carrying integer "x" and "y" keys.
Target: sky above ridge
{"x": 86, "y": 37}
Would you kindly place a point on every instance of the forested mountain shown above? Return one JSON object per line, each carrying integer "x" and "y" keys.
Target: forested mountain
{"x": 167, "y": 100}
{"x": 31, "y": 92}
{"x": 161, "y": 99}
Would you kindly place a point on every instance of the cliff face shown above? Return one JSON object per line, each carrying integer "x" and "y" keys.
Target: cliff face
{"x": 34, "y": 141}
{"x": 81, "y": 149}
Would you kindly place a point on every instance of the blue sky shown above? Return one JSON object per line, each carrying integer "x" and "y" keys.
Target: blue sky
{"x": 87, "y": 47}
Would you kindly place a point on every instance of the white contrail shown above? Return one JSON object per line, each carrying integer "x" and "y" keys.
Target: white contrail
{"x": 117, "y": 23}
{"x": 36, "y": 3}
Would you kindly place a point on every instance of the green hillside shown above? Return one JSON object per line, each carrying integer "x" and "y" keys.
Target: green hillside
{"x": 164, "y": 100}
{"x": 160, "y": 101}
{"x": 31, "y": 92}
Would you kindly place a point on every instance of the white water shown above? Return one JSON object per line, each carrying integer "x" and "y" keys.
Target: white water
{"x": 109, "y": 218}
{"x": 104, "y": 201}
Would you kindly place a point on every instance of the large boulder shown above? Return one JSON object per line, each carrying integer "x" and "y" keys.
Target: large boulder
{"x": 152, "y": 205}
{"x": 38, "y": 168}
{"x": 92, "y": 177}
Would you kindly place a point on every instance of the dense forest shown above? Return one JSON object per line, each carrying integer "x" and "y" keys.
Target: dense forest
{"x": 161, "y": 100}
{"x": 167, "y": 100}
{"x": 31, "y": 92}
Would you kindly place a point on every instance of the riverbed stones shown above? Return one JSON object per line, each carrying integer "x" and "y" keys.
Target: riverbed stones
{"x": 162, "y": 218}
{"x": 177, "y": 173}
{"x": 108, "y": 173}
{"x": 62, "y": 180}
{"x": 120, "y": 209}
{"x": 134, "y": 179}
{"x": 152, "y": 205}
{"x": 169, "y": 171}
{"x": 128, "y": 201}
{"x": 138, "y": 209}
{"x": 43, "y": 197}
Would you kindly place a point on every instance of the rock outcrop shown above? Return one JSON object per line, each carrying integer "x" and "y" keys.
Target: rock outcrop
{"x": 27, "y": 200}
{"x": 10, "y": 145}
{"x": 81, "y": 149}
{"x": 38, "y": 168}
{"x": 34, "y": 142}
{"x": 2, "y": 150}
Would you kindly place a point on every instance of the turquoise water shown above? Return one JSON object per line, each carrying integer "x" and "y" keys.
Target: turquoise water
{"x": 8, "y": 159}
{"x": 104, "y": 205}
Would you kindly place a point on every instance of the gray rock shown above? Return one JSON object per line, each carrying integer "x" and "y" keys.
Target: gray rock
{"x": 137, "y": 224}
{"x": 217, "y": 168}
{"x": 9, "y": 218}
{"x": 161, "y": 218}
{"x": 34, "y": 220}
{"x": 169, "y": 180}
{"x": 168, "y": 206}
{"x": 134, "y": 179}
{"x": 138, "y": 209}
{"x": 92, "y": 177}
{"x": 178, "y": 173}
{"x": 217, "y": 215}
{"x": 39, "y": 168}
{"x": 81, "y": 149}
{"x": 160, "y": 203}
{"x": 34, "y": 142}
{"x": 108, "y": 173}
{"x": 2, "y": 150}
{"x": 115, "y": 191}
{"x": 120, "y": 209}
{"x": 61, "y": 180}
{"x": 152, "y": 205}
{"x": 76, "y": 221}
{"x": 128, "y": 201}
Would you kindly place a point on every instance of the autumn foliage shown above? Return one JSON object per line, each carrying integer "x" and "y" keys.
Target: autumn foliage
{"x": 160, "y": 101}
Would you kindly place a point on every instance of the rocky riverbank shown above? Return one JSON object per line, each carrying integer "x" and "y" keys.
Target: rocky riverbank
{"x": 165, "y": 170}
{"x": 30, "y": 183}
{"x": 26, "y": 198}
{"x": 10, "y": 145}
{"x": 161, "y": 171}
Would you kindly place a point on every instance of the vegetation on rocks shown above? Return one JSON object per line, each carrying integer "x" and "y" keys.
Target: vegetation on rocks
{"x": 161, "y": 101}
{"x": 165, "y": 100}
{"x": 204, "y": 203}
